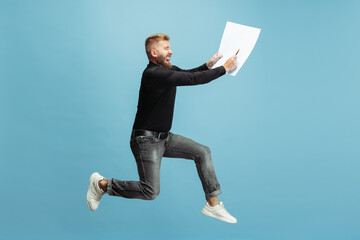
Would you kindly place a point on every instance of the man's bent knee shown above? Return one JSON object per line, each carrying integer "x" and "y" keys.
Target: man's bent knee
{"x": 205, "y": 153}
{"x": 151, "y": 195}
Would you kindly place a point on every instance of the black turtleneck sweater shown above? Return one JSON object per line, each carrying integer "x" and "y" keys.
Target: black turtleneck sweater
{"x": 158, "y": 90}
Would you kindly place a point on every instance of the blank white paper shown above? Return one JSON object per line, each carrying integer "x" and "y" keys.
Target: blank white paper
{"x": 237, "y": 36}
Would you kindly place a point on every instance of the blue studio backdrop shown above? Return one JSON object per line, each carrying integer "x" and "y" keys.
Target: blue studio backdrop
{"x": 284, "y": 133}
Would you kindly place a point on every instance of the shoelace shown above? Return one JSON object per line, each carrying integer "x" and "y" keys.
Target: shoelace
{"x": 222, "y": 208}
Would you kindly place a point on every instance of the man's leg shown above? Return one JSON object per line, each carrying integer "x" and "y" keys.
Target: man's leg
{"x": 148, "y": 153}
{"x": 182, "y": 147}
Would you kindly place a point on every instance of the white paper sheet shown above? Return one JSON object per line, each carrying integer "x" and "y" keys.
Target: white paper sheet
{"x": 236, "y": 37}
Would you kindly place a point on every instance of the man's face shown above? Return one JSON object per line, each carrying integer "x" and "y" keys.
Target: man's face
{"x": 163, "y": 53}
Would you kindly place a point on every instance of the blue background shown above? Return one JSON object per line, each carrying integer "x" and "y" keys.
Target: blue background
{"x": 284, "y": 132}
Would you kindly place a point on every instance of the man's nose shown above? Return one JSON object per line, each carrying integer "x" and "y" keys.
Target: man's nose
{"x": 170, "y": 52}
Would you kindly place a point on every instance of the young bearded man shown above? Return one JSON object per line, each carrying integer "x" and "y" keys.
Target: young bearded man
{"x": 151, "y": 138}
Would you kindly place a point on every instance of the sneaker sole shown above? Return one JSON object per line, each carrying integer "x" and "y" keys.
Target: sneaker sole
{"x": 87, "y": 202}
{"x": 205, "y": 212}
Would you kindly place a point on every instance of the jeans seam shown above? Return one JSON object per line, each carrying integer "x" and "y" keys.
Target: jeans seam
{"x": 141, "y": 161}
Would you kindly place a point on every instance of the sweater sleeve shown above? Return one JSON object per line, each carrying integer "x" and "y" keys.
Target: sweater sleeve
{"x": 200, "y": 68}
{"x": 168, "y": 77}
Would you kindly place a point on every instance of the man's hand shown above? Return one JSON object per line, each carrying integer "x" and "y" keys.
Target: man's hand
{"x": 213, "y": 60}
{"x": 230, "y": 64}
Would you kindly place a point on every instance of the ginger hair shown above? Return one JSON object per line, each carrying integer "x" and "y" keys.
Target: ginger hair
{"x": 154, "y": 39}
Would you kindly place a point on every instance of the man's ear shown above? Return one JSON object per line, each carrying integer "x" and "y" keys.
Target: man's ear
{"x": 153, "y": 53}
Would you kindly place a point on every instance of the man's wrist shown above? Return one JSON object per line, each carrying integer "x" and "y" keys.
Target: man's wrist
{"x": 225, "y": 70}
{"x": 208, "y": 65}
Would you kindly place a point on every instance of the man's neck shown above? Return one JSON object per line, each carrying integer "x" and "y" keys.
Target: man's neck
{"x": 154, "y": 62}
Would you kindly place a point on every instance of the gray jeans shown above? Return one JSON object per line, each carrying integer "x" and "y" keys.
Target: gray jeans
{"x": 148, "y": 152}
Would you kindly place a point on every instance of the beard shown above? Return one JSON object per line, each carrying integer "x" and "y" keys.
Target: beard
{"x": 161, "y": 60}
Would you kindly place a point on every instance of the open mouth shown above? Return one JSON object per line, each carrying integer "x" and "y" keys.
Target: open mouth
{"x": 167, "y": 58}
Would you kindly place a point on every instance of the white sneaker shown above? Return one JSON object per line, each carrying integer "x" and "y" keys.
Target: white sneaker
{"x": 218, "y": 211}
{"x": 94, "y": 193}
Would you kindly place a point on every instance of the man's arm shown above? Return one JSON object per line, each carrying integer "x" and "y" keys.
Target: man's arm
{"x": 168, "y": 77}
